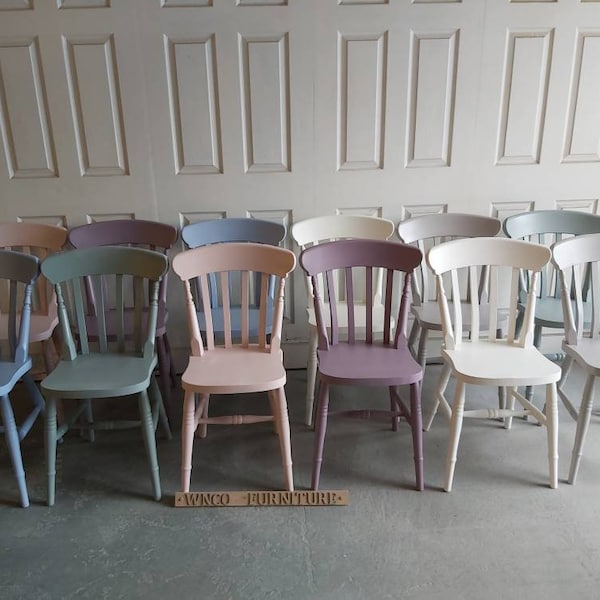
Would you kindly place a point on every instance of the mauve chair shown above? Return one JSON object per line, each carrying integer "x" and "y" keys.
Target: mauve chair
{"x": 361, "y": 359}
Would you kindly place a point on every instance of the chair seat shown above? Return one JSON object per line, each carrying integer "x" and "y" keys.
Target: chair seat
{"x": 40, "y": 328}
{"x": 428, "y": 315}
{"x": 368, "y": 364}
{"x": 499, "y": 363}
{"x": 360, "y": 320}
{"x": 218, "y": 321}
{"x": 586, "y": 353}
{"x": 234, "y": 370}
{"x": 10, "y": 373}
{"x": 549, "y": 312}
{"x": 97, "y": 375}
{"x": 129, "y": 319}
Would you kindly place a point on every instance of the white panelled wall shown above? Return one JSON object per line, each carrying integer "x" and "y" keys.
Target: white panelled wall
{"x": 181, "y": 110}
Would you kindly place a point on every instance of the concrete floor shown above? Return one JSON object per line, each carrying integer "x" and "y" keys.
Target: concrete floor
{"x": 502, "y": 533}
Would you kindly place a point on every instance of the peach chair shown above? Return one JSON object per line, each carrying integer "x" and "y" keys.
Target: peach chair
{"x": 248, "y": 365}
{"x": 40, "y": 240}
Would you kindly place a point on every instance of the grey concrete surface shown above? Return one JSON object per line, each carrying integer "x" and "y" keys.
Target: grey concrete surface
{"x": 501, "y": 533}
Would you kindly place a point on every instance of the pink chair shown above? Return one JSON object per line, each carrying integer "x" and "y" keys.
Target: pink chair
{"x": 364, "y": 361}
{"x": 250, "y": 365}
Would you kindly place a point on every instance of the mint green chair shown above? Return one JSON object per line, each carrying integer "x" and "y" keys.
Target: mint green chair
{"x": 106, "y": 365}
{"x": 20, "y": 271}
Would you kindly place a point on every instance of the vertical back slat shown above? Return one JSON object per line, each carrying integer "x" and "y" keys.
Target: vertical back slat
{"x": 473, "y": 291}
{"x": 566, "y": 280}
{"x": 96, "y": 283}
{"x": 369, "y": 304}
{"x": 515, "y": 279}
{"x": 192, "y": 319}
{"x": 318, "y": 305}
{"x": 120, "y": 312}
{"x": 245, "y": 308}
{"x": 421, "y": 291}
{"x": 224, "y": 278}
{"x": 450, "y": 340}
{"x": 527, "y": 327}
{"x": 207, "y": 304}
{"x": 68, "y": 346}
{"x": 332, "y": 300}
{"x": 12, "y": 318}
{"x": 595, "y": 275}
{"x": 277, "y": 315}
{"x": 387, "y": 308}
{"x": 262, "y": 313}
{"x": 80, "y": 315}
{"x": 458, "y": 324}
{"x": 138, "y": 305}
{"x": 403, "y": 309}
{"x": 493, "y": 303}
{"x": 350, "y": 304}
{"x": 579, "y": 314}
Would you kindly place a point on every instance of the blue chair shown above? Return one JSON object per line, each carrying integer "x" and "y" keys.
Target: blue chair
{"x": 219, "y": 231}
{"x": 20, "y": 271}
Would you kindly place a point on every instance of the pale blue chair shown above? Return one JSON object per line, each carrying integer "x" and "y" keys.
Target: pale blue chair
{"x": 20, "y": 271}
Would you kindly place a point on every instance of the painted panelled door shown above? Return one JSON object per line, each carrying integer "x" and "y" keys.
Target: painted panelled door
{"x": 181, "y": 110}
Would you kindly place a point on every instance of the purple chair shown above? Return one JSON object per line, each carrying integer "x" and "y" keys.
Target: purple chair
{"x": 142, "y": 234}
{"x": 363, "y": 360}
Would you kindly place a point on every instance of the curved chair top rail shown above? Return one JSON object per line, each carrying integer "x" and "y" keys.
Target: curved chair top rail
{"x": 17, "y": 266}
{"x": 344, "y": 254}
{"x": 550, "y": 221}
{"x": 317, "y": 229}
{"x": 38, "y": 235}
{"x": 447, "y": 224}
{"x": 105, "y": 260}
{"x": 123, "y": 231}
{"x": 235, "y": 256}
{"x": 493, "y": 251}
{"x": 576, "y": 251}
{"x": 233, "y": 230}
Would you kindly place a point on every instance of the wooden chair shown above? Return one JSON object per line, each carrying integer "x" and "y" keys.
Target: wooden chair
{"x": 234, "y": 368}
{"x": 361, "y": 359}
{"x": 98, "y": 367}
{"x": 218, "y": 231}
{"x": 19, "y": 272}
{"x": 312, "y": 232}
{"x": 39, "y": 240}
{"x": 501, "y": 362}
{"x": 139, "y": 234}
{"x": 578, "y": 263}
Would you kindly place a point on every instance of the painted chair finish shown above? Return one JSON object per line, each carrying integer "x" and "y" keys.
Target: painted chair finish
{"x": 425, "y": 232}
{"x": 39, "y": 240}
{"x": 218, "y": 231}
{"x": 578, "y": 262}
{"x": 140, "y": 234}
{"x": 312, "y": 232}
{"x": 98, "y": 366}
{"x": 360, "y": 359}
{"x": 20, "y": 272}
{"x": 473, "y": 358}
{"x": 222, "y": 365}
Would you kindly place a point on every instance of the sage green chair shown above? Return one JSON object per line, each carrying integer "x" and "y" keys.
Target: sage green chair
{"x": 101, "y": 366}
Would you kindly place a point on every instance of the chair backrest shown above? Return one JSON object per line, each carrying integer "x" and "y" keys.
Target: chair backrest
{"x": 225, "y": 261}
{"x": 428, "y": 231}
{"x": 137, "y": 233}
{"x": 19, "y": 271}
{"x": 578, "y": 263}
{"x": 39, "y": 240}
{"x": 329, "y": 228}
{"x": 124, "y": 271}
{"x": 548, "y": 227}
{"x": 497, "y": 255}
{"x": 360, "y": 257}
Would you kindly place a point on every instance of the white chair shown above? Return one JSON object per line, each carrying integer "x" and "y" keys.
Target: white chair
{"x": 578, "y": 262}
{"x": 326, "y": 229}
{"x": 474, "y": 359}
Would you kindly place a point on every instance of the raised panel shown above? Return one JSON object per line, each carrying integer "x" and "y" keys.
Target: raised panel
{"x": 83, "y": 3}
{"x": 369, "y": 211}
{"x": 185, "y": 3}
{"x": 416, "y": 210}
{"x": 261, "y": 2}
{"x": 589, "y": 205}
{"x": 264, "y": 77}
{"x": 24, "y": 119}
{"x": 432, "y": 85}
{"x": 57, "y": 220}
{"x": 194, "y": 102}
{"x": 96, "y": 217}
{"x": 361, "y": 100}
{"x": 582, "y": 139}
{"x": 501, "y": 210}
{"x": 96, "y": 104}
{"x": 524, "y": 96}
{"x": 16, "y": 4}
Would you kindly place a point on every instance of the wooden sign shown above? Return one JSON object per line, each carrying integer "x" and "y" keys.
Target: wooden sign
{"x": 308, "y": 498}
